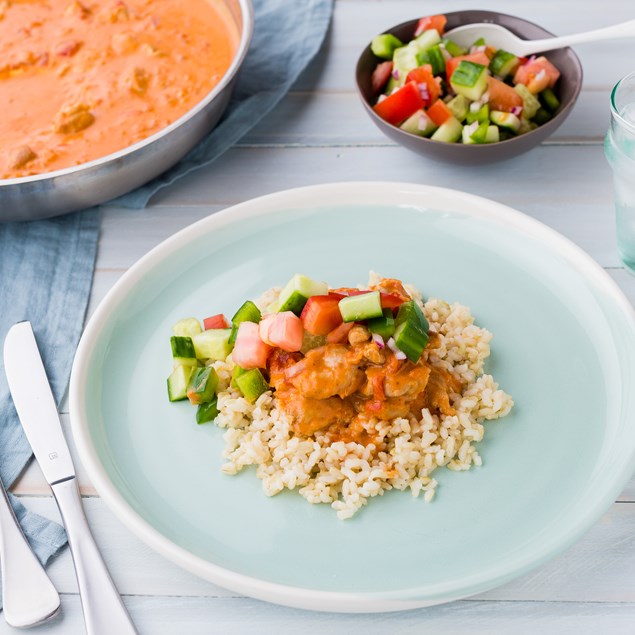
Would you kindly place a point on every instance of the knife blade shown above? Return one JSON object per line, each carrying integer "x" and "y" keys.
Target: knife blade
{"x": 104, "y": 612}
{"x": 35, "y": 404}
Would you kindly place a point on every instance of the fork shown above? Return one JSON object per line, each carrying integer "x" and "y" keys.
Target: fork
{"x": 28, "y": 596}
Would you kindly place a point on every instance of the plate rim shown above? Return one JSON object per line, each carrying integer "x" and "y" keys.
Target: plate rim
{"x": 343, "y": 193}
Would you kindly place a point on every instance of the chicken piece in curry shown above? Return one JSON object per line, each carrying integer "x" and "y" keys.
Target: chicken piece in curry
{"x": 337, "y": 388}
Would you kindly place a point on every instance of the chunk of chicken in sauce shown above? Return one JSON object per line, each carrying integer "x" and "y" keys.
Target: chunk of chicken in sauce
{"x": 338, "y": 387}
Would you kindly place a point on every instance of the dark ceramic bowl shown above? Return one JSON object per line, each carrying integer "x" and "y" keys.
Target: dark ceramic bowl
{"x": 567, "y": 90}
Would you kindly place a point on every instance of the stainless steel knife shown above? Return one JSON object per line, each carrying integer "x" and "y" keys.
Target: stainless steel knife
{"x": 104, "y": 612}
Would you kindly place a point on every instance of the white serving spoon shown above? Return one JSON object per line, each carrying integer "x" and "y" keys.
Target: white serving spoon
{"x": 499, "y": 37}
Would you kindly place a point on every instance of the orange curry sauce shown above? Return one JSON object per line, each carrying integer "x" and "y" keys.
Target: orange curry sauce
{"x": 342, "y": 389}
{"x": 80, "y": 80}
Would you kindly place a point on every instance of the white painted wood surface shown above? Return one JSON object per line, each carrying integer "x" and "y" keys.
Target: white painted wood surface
{"x": 318, "y": 134}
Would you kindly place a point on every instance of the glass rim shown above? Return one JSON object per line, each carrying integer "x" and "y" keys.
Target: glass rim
{"x": 614, "y": 112}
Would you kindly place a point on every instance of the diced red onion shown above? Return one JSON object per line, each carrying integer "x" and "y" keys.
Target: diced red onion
{"x": 423, "y": 122}
{"x": 516, "y": 110}
{"x": 379, "y": 340}
{"x": 475, "y": 106}
{"x": 395, "y": 73}
{"x": 423, "y": 91}
{"x": 477, "y": 49}
{"x": 471, "y": 129}
{"x": 485, "y": 97}
{"x": 399, "y": 354}
{"x": 531, "y": 59}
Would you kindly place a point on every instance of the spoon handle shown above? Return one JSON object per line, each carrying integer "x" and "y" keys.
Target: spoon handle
{"x": 28, "y": 596}
{"x": 625, "y": 29}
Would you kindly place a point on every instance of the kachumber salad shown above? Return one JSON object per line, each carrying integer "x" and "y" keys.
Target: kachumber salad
{"x": 341, "y": 393}
{"x": 432, "y": 87}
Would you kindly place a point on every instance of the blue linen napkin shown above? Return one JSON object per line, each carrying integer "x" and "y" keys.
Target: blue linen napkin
{"x": 46, "y": 270}
{"x": 46, "y": 266}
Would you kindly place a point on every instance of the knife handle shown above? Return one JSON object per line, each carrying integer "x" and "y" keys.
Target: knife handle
{"x": 28, "y": 596}
{"x": 104, "y": 612}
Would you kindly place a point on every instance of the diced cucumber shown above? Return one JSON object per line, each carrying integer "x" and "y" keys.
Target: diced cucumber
{"x": 449, "y": 131}
{"x": 404, "y": 60}
{"x": 252, "y": 384}
{"x": 411, "y": 330}
{"x": 526, "y": 126}
{"x": 453, "y": 48}
{"x": 248, "y": 312}
{"x": 410, "y": 340}
{"x": 188, "y": 327}
{"x": 207, "y": 411}
{"x": 237, "y": 372}
{"x": 178, "y": 382}
{"x": 475, "y": 132}
{"x": 394, "y": 84}
{"x": 492, "y": 135}
{"x": 411, "y": 311}
{"x": 202, "y": 386}
{"x": 542, "y": 116}
{"x": 434, "y": 57}
{"x": 549, "y": 100}
{"x": 479, "y": 42}
{"x": 361, "y": 307}
{"x": 384, "y": 45}
{"x": 503, "y": 63}
{"x": 530, "y": 102}
{"x": 479, "y": 114}
{"x": 505, "y": 120}
{"x": 297, "y": 291}
{"x": 459, "y": 106}
{"x": 425, "y": 41}
{"x": 419, "y": 124}
{"x": 469, "y": 79}
{"x": 384, "y": 325}
{"x": 182, "y": 347}
{"x": 213, "y": 344}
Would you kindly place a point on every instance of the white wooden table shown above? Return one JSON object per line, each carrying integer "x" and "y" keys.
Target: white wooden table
{"x": 319, "y": 133}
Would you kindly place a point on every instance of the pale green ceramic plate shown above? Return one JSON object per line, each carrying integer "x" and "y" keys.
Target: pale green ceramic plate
{"x": 564, "y": 347}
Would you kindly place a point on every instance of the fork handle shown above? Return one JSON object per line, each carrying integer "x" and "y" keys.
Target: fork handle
{"x": 28, "y": 596}
{"x": 104, "y": 612}
{"x": 625, "y": 29}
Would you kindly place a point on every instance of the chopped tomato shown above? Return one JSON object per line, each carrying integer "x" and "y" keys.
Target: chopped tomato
{"x": 391, "y": 300}
{"x": 215, "y": 322}
{"x": 380, "y": 76}
{"x": 400, "y": 105}
{"x": 249, "y": 350}
{"x": 501, "y": 96}
{"x": 451, "y": 64}
{"x": 321, "y": 314}
{"x": 436, "y": 22}
{"x": 340, "y": 333}
{"x": 423, "y": 76}
{"x": 439, "y": 112}
{"x": 286, "y": 331}
{"x": 537, "y": 75}
{"x": 378, "y": 388}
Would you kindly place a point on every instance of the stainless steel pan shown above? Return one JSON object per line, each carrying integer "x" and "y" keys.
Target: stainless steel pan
{"x": 81, "y": 186}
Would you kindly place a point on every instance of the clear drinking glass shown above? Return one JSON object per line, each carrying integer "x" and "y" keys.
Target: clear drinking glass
{"x": 619, "y": 147}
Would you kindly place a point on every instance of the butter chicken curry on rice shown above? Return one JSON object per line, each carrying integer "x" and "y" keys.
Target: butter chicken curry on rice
{"x": 82, "y": 79}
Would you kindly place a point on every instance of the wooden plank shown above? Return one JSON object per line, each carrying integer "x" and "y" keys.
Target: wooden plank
{"x": 338, "y": 119}
{"x": 241, "y": 616}
{"x": 599, "y": 568}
